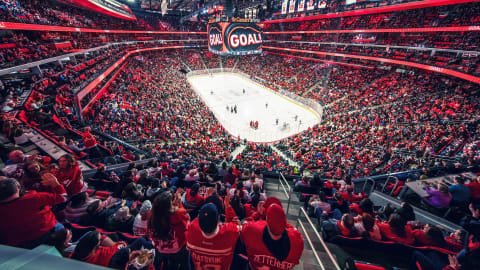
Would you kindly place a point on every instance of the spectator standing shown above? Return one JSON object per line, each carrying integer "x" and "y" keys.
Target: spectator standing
{"x": 70, "y": 175}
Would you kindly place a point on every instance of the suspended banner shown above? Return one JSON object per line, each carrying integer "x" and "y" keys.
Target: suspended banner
{"x": 310, "y": 4}
{"x": 291, "y": 9}
{"x": 382, "y": 9}
{"x": 284, "y": 6}
{"x": 235, "y": 38}
{"x": 301, "y": 6}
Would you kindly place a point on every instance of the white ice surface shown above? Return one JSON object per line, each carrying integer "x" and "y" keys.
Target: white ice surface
{"x": 227, "y": 90}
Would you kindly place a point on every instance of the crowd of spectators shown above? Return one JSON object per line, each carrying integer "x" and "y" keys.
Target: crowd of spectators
{"x": 465, "y": 62}
{"x": 51, "y": 12}
{"x": 441, "y": 16}
{"x": 164, "y": 211}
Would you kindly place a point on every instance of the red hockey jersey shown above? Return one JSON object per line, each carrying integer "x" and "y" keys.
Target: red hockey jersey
{"x": 260, "y": 257}
{"x": 215, "y": 252}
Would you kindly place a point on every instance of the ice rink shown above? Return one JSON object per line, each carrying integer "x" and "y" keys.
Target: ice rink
{"x": 258, "y": 103}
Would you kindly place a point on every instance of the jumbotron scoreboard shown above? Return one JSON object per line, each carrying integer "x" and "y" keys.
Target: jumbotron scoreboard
{"x": 237, "y": 37}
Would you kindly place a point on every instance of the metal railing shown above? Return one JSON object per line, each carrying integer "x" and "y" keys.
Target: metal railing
{"x": 389, "y": 179}
{"x": 368, "y": 180}
{"x": 301, "y": 213}
{"x": 286, "y": 189}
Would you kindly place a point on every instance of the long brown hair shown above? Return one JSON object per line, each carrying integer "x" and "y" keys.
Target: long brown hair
{"x": 71, "y": 160}
{"x": 159, "y": 221}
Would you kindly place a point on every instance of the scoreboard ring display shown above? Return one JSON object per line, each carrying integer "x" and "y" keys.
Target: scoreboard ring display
{"x": 235, "y": 38}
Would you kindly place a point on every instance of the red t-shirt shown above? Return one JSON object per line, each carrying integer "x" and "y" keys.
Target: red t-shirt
{"x": 474, "y": 190}
{"x": 177, "y": 240}
{"x": 215, "y": 252}
{"x": 28, "y": 217}
{"x": 258, "y": 254}
{"x": 197, "y": 199}
{"x": 104, "y": 254}
{"x": 88, "y": 140}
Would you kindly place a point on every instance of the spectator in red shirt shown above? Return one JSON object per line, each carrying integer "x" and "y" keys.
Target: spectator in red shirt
{"x": 27, "y": 219}
{"x": 229, "y": 178}
{"x": 101, "y": 250}
{"x": 236, "y": 171}
{"x": 396, "y": 229}
{"x": 89, "y": 140}
{"x": 272, "y": 244}
{"x": 474, "y": 186}
{"x": 430, "y": 236}
{"x": 90, "y": 143}
{"x": 129, "y": 155}
{"x": 192, "y": 198}
{"x": 349, "y": 196}
{"x": 70, "y": 175}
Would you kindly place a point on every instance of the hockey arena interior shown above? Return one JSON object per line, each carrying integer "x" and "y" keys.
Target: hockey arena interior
{"x": 240, "y": 134}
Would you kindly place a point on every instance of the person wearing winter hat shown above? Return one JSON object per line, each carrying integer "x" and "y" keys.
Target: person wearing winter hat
{"x": 140, "y": 224}
{"x": 122, "y": 220}
{"x": 210, "y": 242}
{"x": 272, "y": 243}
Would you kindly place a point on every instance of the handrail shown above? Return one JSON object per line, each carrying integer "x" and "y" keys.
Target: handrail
{"x": 385, "y": 175}
{"x": 387, "y": 181}
{"x": 287, "y": 194}
{"x": 311, "y": 244}
{"x": 365, "y": 184}
{"x": 327, "y": 250}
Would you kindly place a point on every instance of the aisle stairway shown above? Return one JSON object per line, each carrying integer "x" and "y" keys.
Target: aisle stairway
{"x": 308, "y": 260}
{"x": 290, "y": 161}
{"x": 237, "y": 151}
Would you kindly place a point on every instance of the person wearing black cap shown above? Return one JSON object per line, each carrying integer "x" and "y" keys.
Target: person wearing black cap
{"x": 211, "y": 244}
{"x": 272, "y": 243}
